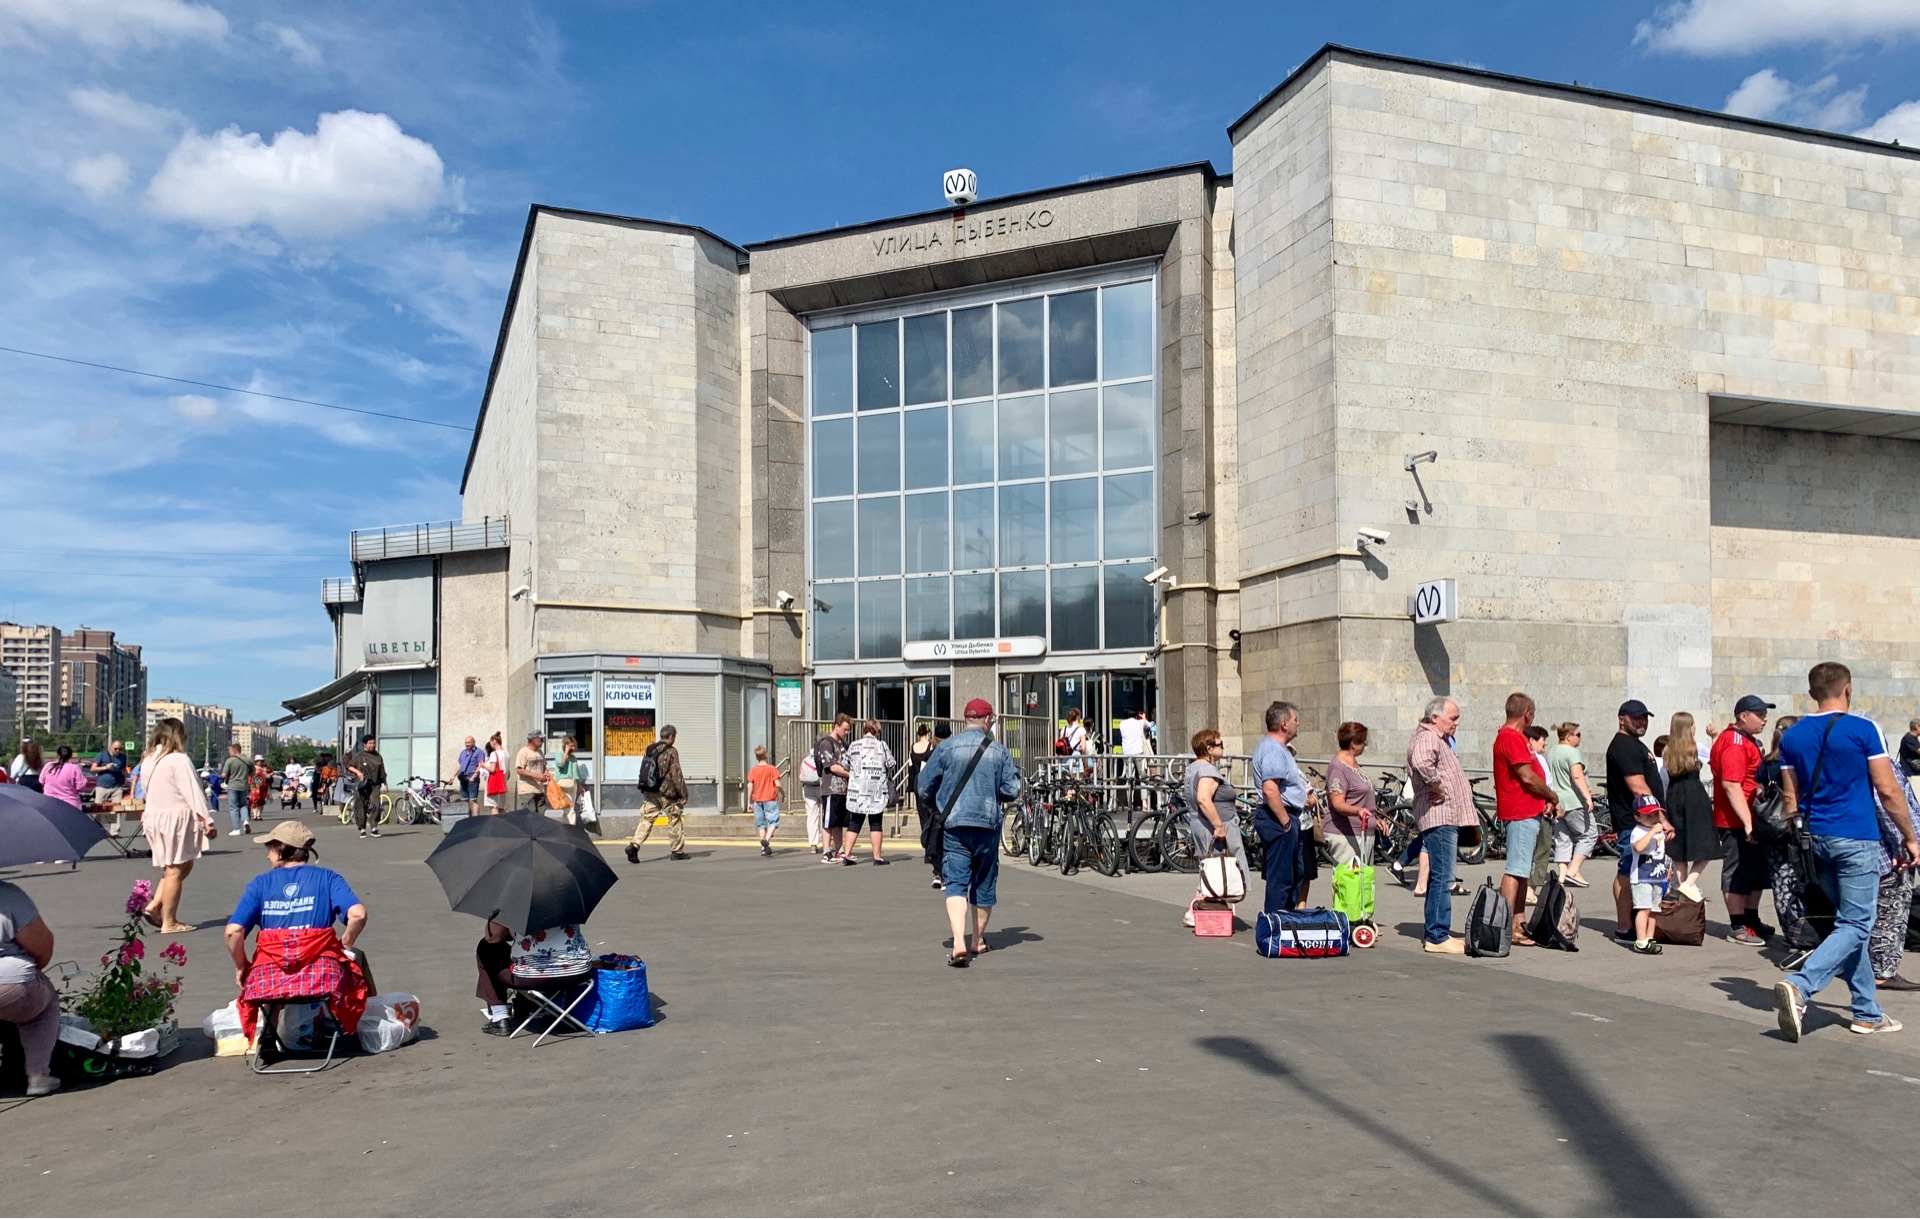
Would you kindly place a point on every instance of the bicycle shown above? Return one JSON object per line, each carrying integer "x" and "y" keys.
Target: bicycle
{"x": 1492, "y": 843}
{"x": 1084, "y": 835}
{"x": 381, "y": 800}
{"x": 422, "y": 804}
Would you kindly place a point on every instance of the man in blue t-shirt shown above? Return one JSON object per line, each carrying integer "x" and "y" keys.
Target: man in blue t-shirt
{"x": 1285, "y": 797}
{"x": 1834, "y": 768}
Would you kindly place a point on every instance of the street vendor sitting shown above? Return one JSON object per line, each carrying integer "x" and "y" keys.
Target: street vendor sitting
{"x": 558, "y": 952}
{"x": 297, "y": 954}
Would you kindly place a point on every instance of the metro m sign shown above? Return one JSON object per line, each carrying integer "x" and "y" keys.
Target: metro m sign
{"x": 1434, "y": 601}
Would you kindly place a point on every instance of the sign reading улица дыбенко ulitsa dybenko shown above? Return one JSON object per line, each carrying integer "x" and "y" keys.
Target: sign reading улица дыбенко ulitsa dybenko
{"x": 962, "y": 231}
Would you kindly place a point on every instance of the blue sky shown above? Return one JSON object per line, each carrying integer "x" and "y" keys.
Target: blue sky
{"x": 324, "y": 202}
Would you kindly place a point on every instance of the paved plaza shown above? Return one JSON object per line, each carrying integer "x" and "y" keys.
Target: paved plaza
{"x": 815, "y": 1057}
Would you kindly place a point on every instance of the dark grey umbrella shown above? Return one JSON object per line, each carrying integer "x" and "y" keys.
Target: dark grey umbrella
{"x": 524, "y": 870}
{"x": 39, "y": 829}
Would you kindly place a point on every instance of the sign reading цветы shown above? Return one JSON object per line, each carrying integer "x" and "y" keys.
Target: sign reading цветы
{"x": 975, "y": 649}
{"x": 1435, "y": 601}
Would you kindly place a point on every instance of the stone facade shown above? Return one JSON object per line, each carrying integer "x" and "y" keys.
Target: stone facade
{"x": 1547, "y": 285}
{"x": 473, "y": 651}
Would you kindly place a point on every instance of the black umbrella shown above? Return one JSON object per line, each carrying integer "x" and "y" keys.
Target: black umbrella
{"x": 524, "y": 870}
{"x": 39, "y": 829}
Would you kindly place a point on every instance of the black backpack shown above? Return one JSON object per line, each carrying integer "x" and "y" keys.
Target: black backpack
{"x": 1489, "y": 923}
{"x": 1556, "y": 919}
{"x": 650, "y": 769}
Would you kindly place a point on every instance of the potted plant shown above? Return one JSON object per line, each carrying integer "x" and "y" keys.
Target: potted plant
{"x": 129, "y": 1009}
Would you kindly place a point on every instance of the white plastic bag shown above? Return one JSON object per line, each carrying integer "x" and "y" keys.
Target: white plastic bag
{"x": 293, "y": 1026}
{"x": 584, "y": 806}
{"x": 391, "y": 1021}
{"x": 142, "y": 1044}
{"x": 223, "y": 1029}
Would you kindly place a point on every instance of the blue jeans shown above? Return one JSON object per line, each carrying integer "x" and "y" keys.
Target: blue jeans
{"x": 970, "y": 863}
{"x": 1849, "y": 870}
{"x": 1442, "y": 844}
{"x": 1411, "y": 851}
{"x": 238, "y": 810}
{"x": 1281, "y": 854}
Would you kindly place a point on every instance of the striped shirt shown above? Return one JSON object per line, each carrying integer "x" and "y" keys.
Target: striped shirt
{"x": 1441, "y": 793}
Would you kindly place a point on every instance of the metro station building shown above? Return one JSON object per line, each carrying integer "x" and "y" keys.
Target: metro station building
{"x": 1642, "y": 381}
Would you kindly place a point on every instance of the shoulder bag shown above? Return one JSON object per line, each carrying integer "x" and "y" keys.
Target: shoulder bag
{"x": 966, "y": 775}
{"x": 1771, "y": 820}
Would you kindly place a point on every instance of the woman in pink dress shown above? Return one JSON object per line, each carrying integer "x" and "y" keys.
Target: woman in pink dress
{"x": 66, "y": 780}
{"x": 177, "y": 821}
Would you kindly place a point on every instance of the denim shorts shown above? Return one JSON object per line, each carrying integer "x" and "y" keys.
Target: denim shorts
{"x": 1522, "y": 836}
{"x": 970, "y": 863}
{"x": 469, "y": 787}
{"x": 766, "y": 814}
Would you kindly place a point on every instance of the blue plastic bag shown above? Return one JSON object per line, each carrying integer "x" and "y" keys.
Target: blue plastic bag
{"x": 620, "y": 1000}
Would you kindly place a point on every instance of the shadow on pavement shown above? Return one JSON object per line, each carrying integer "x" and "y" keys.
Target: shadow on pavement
{"x": 1007, "y": 937}
{"x": 1747, "y": 993}
{"x": 1257, "y": 1058}
{"x": 1619, "y": 1162}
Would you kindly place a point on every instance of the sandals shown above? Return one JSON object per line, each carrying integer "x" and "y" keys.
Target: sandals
{"x": 151, "y": 919}
{"x": 1574, "y": 882}
{"x": 959, "y": 960}
{"x": 984, "y": 948}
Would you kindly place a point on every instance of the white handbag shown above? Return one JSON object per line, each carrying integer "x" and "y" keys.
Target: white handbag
{"x": 1221, "y": 879}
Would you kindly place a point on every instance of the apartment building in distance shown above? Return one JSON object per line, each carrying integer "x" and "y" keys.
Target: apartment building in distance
{"x": 255, "y": 739}
{"x": 209, "y": 729}
{"x": 32, "y": 655}
{"x": 102, "y": 681}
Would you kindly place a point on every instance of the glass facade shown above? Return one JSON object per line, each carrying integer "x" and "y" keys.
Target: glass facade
{"x": 406, "y": 722}
{"x": 984, "y": 471}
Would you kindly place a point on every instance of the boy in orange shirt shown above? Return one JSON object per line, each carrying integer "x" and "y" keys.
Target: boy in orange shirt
{"x": 763, "y": 788}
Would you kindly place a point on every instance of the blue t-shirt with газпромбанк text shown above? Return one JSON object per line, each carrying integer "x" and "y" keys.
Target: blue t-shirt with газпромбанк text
{"x": 1839, "y": 801}
{"x": 297, "y": 898}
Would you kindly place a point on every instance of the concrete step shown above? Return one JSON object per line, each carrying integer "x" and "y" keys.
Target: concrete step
{"x": 730, "y": 826}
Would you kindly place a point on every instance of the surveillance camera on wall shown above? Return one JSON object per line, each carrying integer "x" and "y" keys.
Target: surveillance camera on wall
{"x": 1373, "y": 537}
{"x": 783, "y": 599}
{"x": 522, "y": 591}
{"x": 961, "y": 186}
{"x": 1154, "y": 576}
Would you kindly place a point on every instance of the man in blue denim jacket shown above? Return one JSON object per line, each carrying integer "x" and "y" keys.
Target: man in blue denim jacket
{"x": 970, "y": 839}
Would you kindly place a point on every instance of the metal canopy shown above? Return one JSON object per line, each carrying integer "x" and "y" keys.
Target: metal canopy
{"x": 326, "y": 698}
{"x": 1813, "y": 417}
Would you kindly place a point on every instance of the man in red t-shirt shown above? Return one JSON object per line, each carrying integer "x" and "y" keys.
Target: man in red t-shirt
{"x": 1521, "y": 796}
{"x": 1735, "y": 760}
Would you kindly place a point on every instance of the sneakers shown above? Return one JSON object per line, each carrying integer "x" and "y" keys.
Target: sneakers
{"x": 1760, "y": 929}
{"x": 1789, "y": 1008}
{"x": 938, "y": 883}
{"x": 1186, "y": 920}
{"x": 1691, "y": 892}
{"x": 1896, "y": 982}
{"x": 766, "y": 849}
{"x": 1624, "y": 935}
{"x": 233, "y": 833}
{"x": 829, "y": 857}
{"x": 1886, "y": 1024}
{"x": 1745, "y": 935}
{"x": 678, "y": 855}
{"x": 1449, "y": 947}
{"x": 633, "y": 853}
{"x": 41, "y": 1085}
{"x": 1647, "y": 948}
{"x": 849, "y": 860}
{"x": 363, "y": 833}
{"x": 374, "y": 832}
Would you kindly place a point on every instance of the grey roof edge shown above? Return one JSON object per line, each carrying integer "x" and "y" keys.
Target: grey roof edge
{"x": 519, "y": 273}
{"x": 1138, "y": 175}
{"x": 1630, "y": 101}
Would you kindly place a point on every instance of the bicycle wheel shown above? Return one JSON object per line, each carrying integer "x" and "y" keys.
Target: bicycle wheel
{"x": 1013, "y": 838}
{"x": 346, "y": 813}
{"x": 1072, "y": 838}
{"x": 1475, "y": 853}
{"x": 1143, "y": 842}
{"x": 1176, "y": 846}
{"x": 386, "y": 808}
{"x": 1108, "y": 853}
{"x": 1037, "y": 838}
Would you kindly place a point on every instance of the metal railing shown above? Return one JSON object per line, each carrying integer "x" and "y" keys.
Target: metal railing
{"x": 341, "y": 590}
{"x": 1028, "y": 738}
{"x": 430, "y": 538}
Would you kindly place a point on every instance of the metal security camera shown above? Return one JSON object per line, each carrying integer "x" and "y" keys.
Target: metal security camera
{"x": 1373, "y": 537}
{"x": 961, "y": 186}
{"x": 783, "y": 600}
{"x": 522, "y": 591}
{"x": 1154, "y": 576}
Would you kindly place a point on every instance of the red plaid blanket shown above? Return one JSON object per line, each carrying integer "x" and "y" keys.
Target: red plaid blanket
{"x": 295, "y": 963}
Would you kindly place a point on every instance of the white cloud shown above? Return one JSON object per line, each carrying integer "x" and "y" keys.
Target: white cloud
{"x": 119, "y": 110}
{"x": 111, "y": 25}
{"x": 99, "y": 176}
{"x": 289, "y": 40}
{"x": 1901, "y": 123}
{"x": 1738, "y": 27}
{"x": 197, "y": 407}
{"x": 355, "y": 171}
{"x": 1768, "y": 95}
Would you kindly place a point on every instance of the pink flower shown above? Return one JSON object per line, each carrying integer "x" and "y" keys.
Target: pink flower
{"x": 132, "y": 951}
{"x": 174, "y": 953}
{"x": 105, "y": 959}
{"x": 141, "y": 895}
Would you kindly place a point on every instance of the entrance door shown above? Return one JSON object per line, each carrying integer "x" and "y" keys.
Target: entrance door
{"x": 932, "y": 698}
{"x": 1024, "y": 694}
{"x": 890, "y": 700}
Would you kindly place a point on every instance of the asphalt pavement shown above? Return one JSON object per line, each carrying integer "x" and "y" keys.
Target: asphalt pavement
{"x": 815, "y": 1056}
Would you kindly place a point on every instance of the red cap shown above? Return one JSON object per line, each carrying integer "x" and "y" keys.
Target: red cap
{"x": 978, "y": 709}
